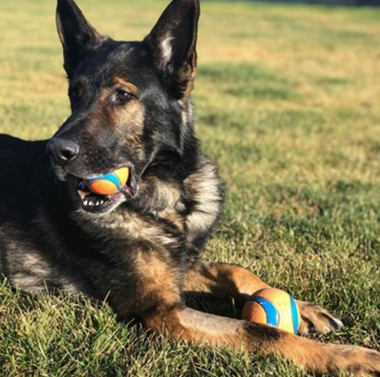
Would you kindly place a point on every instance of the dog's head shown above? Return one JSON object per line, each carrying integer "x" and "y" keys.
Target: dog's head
{"x": 130, "y": 101}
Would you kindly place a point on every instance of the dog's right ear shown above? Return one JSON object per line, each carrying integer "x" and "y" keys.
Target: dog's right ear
{"x": 173, "y": 45}
{"x": 77, "y": 35}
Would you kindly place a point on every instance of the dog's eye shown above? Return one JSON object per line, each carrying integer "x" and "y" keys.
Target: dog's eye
{"x": 122, "y": 97}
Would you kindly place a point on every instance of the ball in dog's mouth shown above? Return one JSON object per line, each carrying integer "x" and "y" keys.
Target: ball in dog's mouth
{"x": 99, "y": 194}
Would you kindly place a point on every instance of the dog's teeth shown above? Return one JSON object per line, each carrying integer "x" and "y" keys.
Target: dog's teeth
{"x": 97, "y": 203}
{"x": 85, "y": 202}
{"x": 82, "y": 194}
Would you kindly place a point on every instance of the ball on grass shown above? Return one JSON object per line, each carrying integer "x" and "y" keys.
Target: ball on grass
{"x": 110, "y": 183}
{"x": 273, "y": 307}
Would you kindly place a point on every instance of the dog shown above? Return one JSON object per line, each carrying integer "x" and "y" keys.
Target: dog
{"x": 139, "y": 247}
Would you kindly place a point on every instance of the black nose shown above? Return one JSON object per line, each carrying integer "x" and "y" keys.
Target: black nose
{"x": 62, "y": 150}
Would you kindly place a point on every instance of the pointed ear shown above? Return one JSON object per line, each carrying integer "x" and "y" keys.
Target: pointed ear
{"x": 173, "y": 44}
{"x": 77, "y": 35}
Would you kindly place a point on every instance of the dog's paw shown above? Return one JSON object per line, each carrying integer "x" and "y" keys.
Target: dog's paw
{"x": 357, "y": 361}
{"x": 316, "y": 319}
{"x": 369, "y": 364}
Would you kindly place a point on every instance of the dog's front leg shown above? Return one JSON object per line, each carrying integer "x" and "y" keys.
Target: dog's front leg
{"x": 223, "y": 279}
{"x": 180, "y": 322}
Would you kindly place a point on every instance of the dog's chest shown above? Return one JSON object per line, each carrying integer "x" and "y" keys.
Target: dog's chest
{"x": 159, "y": 228}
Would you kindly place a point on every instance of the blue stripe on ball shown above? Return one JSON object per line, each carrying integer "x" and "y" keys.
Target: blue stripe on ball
{"x": 270, "y": 310}
{"x": 294, "y": 308}
{"x": 108, "y": 177}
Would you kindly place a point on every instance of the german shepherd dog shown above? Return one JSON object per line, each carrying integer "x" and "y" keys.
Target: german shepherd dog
{"x": 139, "y": 248}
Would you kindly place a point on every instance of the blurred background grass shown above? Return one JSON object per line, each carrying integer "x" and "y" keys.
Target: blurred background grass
{"x": 287, "y": 104}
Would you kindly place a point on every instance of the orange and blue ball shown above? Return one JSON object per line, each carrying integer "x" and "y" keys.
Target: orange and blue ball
{"x": 108, "y": 184}
{"x": 273, "y": 307}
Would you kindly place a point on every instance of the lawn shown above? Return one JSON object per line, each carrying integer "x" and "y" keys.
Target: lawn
{"x": 288, "y": 107}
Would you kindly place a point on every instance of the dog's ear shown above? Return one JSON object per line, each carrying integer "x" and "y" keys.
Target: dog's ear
{"x": 77, "y": 35}
{"x": 173, "y": 44}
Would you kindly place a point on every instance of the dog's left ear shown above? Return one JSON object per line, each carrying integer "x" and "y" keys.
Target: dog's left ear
{"x": 173, "y": 44}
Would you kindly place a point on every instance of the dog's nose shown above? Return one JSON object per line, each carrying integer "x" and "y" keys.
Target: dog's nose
{"x": 62, "y": 150}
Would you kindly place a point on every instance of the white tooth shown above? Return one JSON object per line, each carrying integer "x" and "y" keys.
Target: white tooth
{"x": 97, "y": 203}
{"x": 82, "y": 194}
{"x": 85, "y": 202}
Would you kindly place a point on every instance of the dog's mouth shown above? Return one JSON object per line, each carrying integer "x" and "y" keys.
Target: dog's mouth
{"x": 100, "y": 199}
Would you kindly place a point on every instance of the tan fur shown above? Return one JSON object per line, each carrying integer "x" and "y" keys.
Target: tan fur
{"x": 156, "y": 285}
{"x": 222, "y": 280}
{"x": 185, "y": 323}
{"x": 122, "y": 84}
{"x": 160, "y": 194}
{"x": 156, "y": 278}
{"x": 135, "y": 227}
{"x": 203, "y": 187}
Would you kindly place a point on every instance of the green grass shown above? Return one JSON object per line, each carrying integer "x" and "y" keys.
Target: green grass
{"x": 287, "y": 103}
